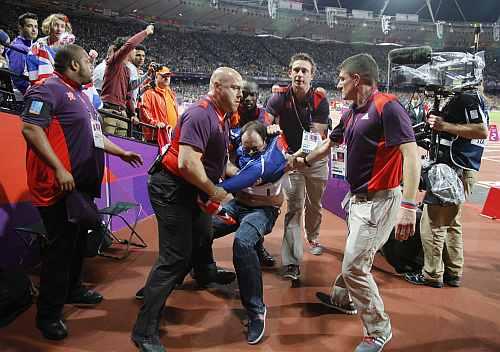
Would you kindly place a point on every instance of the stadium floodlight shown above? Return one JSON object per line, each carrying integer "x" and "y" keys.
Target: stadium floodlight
{"x": 272, "y": 8}
{"x": 439, "y": 29}
{"x": 386, "y": 22}
{"x": 330, "y": 16}
{"x": 496, "y": 31}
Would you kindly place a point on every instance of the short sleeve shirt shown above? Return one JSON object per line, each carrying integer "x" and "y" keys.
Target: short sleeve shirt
{"x": 207, "y": 130}
{"x": 373, "y": 134}
{"x": 295, "y": 117}
{"x": 65, "y": 113}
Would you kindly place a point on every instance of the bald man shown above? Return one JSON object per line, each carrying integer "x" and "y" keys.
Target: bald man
{"x": 194, "y": 163}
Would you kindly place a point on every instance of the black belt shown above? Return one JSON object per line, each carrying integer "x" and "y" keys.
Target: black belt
{"x": 113, "y": 106}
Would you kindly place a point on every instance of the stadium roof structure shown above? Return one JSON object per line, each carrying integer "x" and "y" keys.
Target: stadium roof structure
{"x": 454, "y": 20}
{"x": 482, "y": 11}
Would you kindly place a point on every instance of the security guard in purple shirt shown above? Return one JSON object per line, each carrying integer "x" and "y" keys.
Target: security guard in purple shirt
{"x": 65, "y": 155}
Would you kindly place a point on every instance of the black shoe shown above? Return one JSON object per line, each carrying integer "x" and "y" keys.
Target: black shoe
{"x": 292, "y": 272}
{"x": 148, "y": 344}
{"x": 265, "y": 258}
{"x": 349, "y": 308}
{"x": 52, "y": 329}
{"x": 256, "y": 328}
{"x": 219, "y": 276}
{"x": 452, "y": 280}
{"x": 419, "y": 279}
{"x": 84, "y": 297}
{"x": 139, "y": 295}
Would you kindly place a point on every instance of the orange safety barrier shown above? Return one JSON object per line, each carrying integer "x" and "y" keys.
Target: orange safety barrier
{"x": 491, "y": 208}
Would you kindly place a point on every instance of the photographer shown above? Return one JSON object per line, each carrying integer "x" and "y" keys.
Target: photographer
{"x": 462, "y": 128}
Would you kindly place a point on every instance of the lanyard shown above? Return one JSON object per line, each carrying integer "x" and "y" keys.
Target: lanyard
{"x": 297, "y": 113}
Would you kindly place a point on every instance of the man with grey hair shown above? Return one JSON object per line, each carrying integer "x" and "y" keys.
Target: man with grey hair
{"x": 194, "y": 163}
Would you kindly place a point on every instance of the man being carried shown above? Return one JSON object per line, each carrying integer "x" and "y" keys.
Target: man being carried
{"x": 255, "y": 209}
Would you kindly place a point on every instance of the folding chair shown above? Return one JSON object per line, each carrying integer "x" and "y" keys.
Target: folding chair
{"x": 116, "y": 210}
{"x": 37, "y": 233}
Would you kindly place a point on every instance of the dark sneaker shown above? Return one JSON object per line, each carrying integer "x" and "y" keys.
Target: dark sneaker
{"x": 265, "y": 258}
{"x": 452, "y": 280}
{"x": 326, "y": 300}
{"x": 256, "y": 328}
{"x": 419, "y": 279}
{"x": 292, "y": 272}
{"x": 139, "y": 295}
{"x": 148, "y": 344}
{"x": 219, "y": 276}
{"x": 84, "y": 297}
{"x": 373, "y": 344}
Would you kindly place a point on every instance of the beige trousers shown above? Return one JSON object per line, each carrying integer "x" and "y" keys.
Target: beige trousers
{"x": 303, "y": 200}
{"x": 441, "y": 234}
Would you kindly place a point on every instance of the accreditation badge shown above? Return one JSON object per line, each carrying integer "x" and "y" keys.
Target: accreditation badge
{"x": 310, "y": 140}
{"x": 339, "y": 161}
{"x": 97, "y": 134}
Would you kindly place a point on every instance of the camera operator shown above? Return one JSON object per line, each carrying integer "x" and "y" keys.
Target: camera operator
{"x": 462, "y": 129}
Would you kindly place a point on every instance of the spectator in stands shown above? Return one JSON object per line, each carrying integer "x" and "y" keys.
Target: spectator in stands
{"x": 3, "y": 60}
{"x": 40, "y": 58}
{"x": 28, "y": 32}
{"x": 117, "y": 81}
{"x": 302, "y": 112}
{"x": 64, "y": 162}
{"x": 139, "y": 58}
{"x": 98, "y": 74}
{"x": 159, "y": 107}
{"x": 138, "y": 79}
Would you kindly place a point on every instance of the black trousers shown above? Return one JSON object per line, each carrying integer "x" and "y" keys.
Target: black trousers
{"x": 62, "y": 261}
{"x": 182, "y": 228}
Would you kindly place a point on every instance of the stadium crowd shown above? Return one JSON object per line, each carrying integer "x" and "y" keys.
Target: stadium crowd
{"x": 279, "y": 151}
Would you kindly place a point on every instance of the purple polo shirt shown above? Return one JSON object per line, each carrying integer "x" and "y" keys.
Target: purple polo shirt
{"x": 59, "y": 106}
{"x": 206, "y": 129}
{"x": 373, "y": 134}
{"x": 295, "y": 117}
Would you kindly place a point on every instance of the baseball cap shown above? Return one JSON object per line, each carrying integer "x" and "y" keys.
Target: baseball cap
{"x": 164, "y": 71}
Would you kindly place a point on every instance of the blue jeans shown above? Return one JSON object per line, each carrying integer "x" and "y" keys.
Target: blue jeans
{"x": 253, "y": 224}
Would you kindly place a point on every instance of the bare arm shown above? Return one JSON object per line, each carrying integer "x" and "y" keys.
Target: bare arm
{"x": 132, "y": 158}
{"x": 192, "y": 170}
{"x": 469, "y": 131}
{"x": 411, "y": 171}
{"x": 320, "y": 128}
{"x": 318, "y": 153}
{"x": 36, "y": 137}
{"x": 405, "y": 224}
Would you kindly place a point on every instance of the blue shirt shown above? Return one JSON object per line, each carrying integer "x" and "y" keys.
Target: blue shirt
{"x": 17, "y": 62}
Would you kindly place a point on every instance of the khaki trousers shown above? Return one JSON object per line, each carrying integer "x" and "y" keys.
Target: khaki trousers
{"x": 115, "y": 126}
{"x": 441, "y": 234}
{"x": 303, "y": 200}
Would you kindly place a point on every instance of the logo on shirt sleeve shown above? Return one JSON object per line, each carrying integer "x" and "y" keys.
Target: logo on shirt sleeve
{"x": 71, "y": 96}
{"x": 36, "y": 107}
